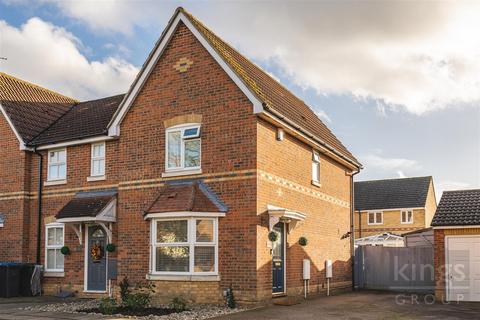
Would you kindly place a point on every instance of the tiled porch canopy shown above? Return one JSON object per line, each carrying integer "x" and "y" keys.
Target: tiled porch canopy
{"x": 90, "y": 207}
{"x": 186, "y": 198}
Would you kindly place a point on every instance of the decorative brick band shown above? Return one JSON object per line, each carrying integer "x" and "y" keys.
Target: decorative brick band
{"x": 208, "y": 177}
{"x": 299, "y": 188}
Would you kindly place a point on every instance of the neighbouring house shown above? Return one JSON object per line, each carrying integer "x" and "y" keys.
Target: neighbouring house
{"x": 187, "y": 175}
{"x": 393, "y": 205}
{"x": 456, "y": 227}
{"x": 419, "y": 238}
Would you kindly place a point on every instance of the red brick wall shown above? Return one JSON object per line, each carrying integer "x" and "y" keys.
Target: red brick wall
{"x": 325, "y": 224}
{"x": 228, "y": 145}
{"x": 13, "y": 182}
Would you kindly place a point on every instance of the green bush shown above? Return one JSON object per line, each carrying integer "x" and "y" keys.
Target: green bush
{"x": 178, "y": 304}
{"x": 231, "y": 303}
{"x": 124, "y": 289}
{"x": 108, "y": 306}
{"x": 136, "y": 301}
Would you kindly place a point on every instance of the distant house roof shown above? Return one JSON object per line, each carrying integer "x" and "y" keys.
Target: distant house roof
{"x": 29, "y": 107}
{"x": 458, "y": 208}
{"x": 187, "y": 196}
{"x": 84, "y": 119}
{"x": 391, "y": 193}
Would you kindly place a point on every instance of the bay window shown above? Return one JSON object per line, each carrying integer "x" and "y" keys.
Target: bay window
{"x": 54, "y": 241}
{"x": 57, "y": 164}
{"x": 183, "y": 147}
{"x": 184, "y": 246}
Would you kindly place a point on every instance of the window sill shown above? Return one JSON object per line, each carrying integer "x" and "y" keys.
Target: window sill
{"x": 96, "y": 178}
{"x": 182, "y": 278}
{"x": 55, "y": 182}
{"x": 406, "y": 222}
{"x": 181, "y": 173}
{"x": 52, "y": 274}
{"x": 316, "y": 183}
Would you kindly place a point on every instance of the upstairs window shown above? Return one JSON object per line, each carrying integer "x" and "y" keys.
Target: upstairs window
{"x": 183, "y": 147}
{"x": 407, "y": 216}
{"x": 57, "y": 164}
{"x": 98, "y": 160}
{"x": 375, "y": 218}
{"x": 315, "y": 168}
{"x": 54, "y": 243}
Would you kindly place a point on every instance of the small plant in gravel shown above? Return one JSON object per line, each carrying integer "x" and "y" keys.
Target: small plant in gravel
{"x": 124, "y": 288}
{"x": 178, "y": 304}
{"x": 108, "y": 306}
{"x": 231, "y": 303}
{"x": 138, "y": 299}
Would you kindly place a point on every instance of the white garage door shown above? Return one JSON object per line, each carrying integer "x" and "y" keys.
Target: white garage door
{"x": 463, "y": 268}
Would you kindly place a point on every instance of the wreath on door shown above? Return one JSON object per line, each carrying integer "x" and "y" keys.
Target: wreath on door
{"x": 96, "y": 252}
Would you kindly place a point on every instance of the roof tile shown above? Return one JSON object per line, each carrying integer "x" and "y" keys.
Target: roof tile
{"x": 458, "y": 208}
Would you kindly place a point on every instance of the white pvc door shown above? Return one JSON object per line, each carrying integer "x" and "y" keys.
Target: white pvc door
{"x": 463, "y": 268}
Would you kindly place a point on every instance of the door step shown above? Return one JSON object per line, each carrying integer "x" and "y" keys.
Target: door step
{"x": 287, "y": 301}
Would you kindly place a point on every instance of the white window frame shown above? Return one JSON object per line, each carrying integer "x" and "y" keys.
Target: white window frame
{"x": 93, "y": 158}
{"x": 374, "y": 217}
{"x": 182, "y": 129}
{"x": 191, "y": 243}
{"x": 315, "y": 162}
{"x": 49, "y": 164}
{"x": 54, "y": 246}
{"x": 406, "y": 215}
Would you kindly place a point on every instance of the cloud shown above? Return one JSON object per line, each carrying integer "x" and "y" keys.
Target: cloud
{"x": 447, "y": 185}
{"x": 413, "y": 56}
{"x": 394, "y": 165}
{"x": 51, "y": 56}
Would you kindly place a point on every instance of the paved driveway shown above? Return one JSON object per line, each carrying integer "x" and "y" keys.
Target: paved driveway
{"x": 362, "y": 306}
{"x": 356, "y": 305}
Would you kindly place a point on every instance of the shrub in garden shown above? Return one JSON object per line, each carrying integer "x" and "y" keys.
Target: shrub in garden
{"x": 108, "y": 306}
{"x": 178, "y": 304}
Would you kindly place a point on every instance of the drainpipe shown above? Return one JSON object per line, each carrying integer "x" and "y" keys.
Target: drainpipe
{"x": 39, "y": 204}
{"x": 352, "y": 227}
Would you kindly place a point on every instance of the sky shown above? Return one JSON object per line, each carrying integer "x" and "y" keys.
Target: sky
{"x": 397, "y": 82}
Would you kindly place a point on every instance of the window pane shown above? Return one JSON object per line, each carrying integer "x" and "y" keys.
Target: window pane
{"x": 61, "y": 156}
{"x": 172, "y": 259}
{"x": 50, "y": 236}
{"x": 59, "y": 261}
{"x": 172, "y": 231}
{"x": 379, "y": 217}
{"x": 98, "y": 167}
{"x": 192, "y": 153}
{"x": 410, "y": 216}
{"x": 204, "y": 231}
{"x": 193, "y": 132}
{"x": 404, "y": 216}
{"x": 62, "y": 171}
{"x": 204, "y": 259}
{"x": 174, "y": 149}
{"x": 315, "y": 171}
{"x": 58, "y": 236}
{"x": 51, "y": 259}
{"x": 371, "y": 218}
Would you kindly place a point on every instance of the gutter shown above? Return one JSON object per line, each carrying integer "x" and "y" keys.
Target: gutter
{"x": 352, "y": 226}
{"x": 39, "y": 205}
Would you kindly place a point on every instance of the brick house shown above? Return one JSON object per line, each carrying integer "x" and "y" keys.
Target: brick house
{"x": 394, "y": 206}
{"x": 456, "y": 228}
{"x": 186, "y": 174}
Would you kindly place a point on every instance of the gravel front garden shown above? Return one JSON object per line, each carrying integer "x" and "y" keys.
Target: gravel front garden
{"x": 197, "y": 312}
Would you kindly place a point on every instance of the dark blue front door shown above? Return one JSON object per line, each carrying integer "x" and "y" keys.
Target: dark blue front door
{"x": 278, "y": 259}
{"x": 97, "y": 261}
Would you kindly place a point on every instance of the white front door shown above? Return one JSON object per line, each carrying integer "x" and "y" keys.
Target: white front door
{"x": 463, "y": 268}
